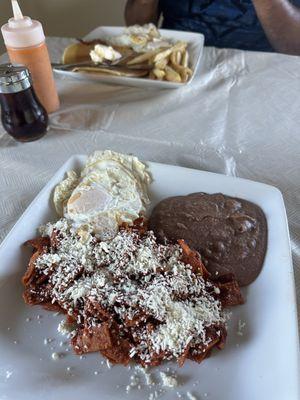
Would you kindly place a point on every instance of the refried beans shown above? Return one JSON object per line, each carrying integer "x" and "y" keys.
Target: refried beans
{"x": 229, "y": 233}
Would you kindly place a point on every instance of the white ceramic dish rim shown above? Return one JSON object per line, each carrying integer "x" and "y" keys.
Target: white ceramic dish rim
{"x": 81, "y": 158}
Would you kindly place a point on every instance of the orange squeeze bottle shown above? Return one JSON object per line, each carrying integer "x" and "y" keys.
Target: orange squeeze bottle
{"x": 25, "y": 42}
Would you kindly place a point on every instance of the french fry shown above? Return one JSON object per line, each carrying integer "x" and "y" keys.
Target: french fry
{"x": 162, "y": 63}
{"x": 179, "y": 46}
{"x": 184, "y": 72}
{"x": 185, "y": 59}
{"x": 185, "y": 75}
{"x": 162, "y": 55}
{"x": 159, "y": 73}
{"x": 173, "y": 58}
{"x": 142, "y": 58}
{"x": 172, "y": 75}
{"x": 178, "y": 57}
{"x": 179, "y": 68}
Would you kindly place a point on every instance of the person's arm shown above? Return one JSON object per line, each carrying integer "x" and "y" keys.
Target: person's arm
{"x": 141, "y": 12}
{"x": 281, "y": 22}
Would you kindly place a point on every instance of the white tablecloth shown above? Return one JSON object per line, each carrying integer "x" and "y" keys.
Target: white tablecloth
{"x": 240, "y": 117}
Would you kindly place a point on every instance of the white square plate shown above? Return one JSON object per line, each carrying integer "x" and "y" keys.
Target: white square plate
{"x": 195, "y": 47}
{"x": 261, "y": 364}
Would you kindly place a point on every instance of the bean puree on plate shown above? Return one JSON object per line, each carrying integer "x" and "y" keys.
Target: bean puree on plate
{"x": 229, "y": 233}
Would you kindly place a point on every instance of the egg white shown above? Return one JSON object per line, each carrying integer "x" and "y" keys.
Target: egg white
{"x": 140, "y": 38}
{"x": 112, "y": 189}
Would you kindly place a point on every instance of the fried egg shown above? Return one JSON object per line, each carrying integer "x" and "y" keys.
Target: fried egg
{"x": 112, "y": 189}
{"x": 63, "y": 190}
{"x": 140, "y": 38}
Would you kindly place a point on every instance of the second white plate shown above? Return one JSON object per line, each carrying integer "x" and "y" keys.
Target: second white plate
{"x": 195, "y": 47}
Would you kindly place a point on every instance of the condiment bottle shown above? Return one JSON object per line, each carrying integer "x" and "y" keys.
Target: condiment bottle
{"x": 25, "y": 42}
{"x": 22, "y": 115}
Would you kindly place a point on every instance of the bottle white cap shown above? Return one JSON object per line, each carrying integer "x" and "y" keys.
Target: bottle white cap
{"x": 22, "y": 31}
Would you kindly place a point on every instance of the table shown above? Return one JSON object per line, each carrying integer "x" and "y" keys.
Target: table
{"x": 240, "y": 117}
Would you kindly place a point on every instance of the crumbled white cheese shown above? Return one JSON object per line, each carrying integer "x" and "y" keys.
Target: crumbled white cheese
{"x": 148, "y": 377}
{"x": 55, "y": 356}
{"x": 241, "y": 326}
{"x": 168, "y": 380}
{"x": 182, "y": 320}
{"x": 153, "y": 395}
{"x": 134, "y": 382}
{"x": 128, "y": 388}
{"x": 150, "y": 276}
{"x": 66, "y": 329}
{"x": 8, "y": 374}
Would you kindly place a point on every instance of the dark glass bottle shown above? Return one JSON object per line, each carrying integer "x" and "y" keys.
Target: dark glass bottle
{"x": 22, "y": 115}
